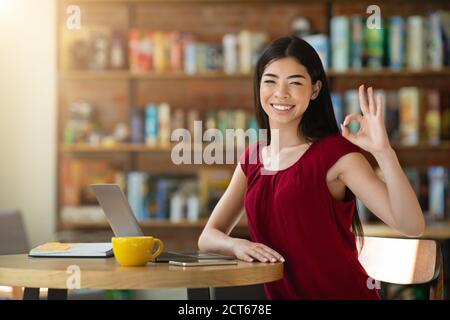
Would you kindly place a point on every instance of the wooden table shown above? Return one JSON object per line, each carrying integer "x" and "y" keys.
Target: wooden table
{"x": 57, "y": 275}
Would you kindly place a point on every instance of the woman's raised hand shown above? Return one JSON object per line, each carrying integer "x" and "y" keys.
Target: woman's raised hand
{"x": 372, "y": 135}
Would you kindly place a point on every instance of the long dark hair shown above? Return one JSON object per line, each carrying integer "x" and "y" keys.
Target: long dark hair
{"x": 318, "y": 120}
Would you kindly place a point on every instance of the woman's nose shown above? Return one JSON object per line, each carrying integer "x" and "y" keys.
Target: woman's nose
{"x": 281, "y": 92}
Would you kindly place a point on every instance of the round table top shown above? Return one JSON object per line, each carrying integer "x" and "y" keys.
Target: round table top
{"x": 105, "y": 273}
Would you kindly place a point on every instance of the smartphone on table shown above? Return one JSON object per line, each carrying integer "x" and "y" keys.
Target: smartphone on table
{"x": 193, "y": 262}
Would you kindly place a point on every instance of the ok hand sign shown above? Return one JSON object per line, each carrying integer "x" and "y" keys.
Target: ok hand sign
{"x": 372, "y": 135}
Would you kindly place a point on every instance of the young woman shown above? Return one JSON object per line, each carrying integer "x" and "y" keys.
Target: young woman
{"x": 299, "y": 194}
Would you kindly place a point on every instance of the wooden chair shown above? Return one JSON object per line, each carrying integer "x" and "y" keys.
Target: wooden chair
{"x": 404, "y": 262}
{"x": 13, "y": 239}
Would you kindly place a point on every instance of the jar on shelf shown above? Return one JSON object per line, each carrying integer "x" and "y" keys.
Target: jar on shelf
{"x": 99, "y": 52}
{"x": 80, "y": 122}
{"x": 117, "y": 52}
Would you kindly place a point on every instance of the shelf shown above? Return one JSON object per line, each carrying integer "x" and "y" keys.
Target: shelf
{"x": 127, "y": 75}
{"x": 126, "y": 147}
{"x": 435, "y": 230}
{"x": 122, "y": 148}
{"x": 445, "y": 72}
{"x": 179, "y": 75}
{"x": 422, "y": 155}
{"x": 166, "y": 224}
{"x": 443, "y": 147}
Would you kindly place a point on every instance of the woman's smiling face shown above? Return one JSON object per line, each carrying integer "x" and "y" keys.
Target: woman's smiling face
{"x": 286, "y": 90}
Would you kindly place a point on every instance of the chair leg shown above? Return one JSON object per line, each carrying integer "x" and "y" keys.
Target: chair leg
{"x": 437, "y": 286}
{"x": 31, "y": 294}
{"x": 384, "y": 290}
{"x": 57, "y": 294}
{"x": 198, "y": 294}
{"x": 17, "y": 293}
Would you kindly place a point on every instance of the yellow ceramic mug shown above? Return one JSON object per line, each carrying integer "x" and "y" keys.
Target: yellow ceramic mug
{"x": 135, "y": 251}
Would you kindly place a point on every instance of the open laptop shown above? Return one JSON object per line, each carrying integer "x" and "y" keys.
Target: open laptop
{"x": 124, "y": 223}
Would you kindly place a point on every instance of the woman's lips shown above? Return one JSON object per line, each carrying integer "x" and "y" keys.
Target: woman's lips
{"x": 282, "y": 107}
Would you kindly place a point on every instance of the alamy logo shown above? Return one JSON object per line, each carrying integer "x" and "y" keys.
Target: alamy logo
{"x": 374, "y": 20}
{"x": 218, "y": 146}
{"x": 373, "y": 284}
{"x": 74, "y": 278}
{"x": 73, "y": 21}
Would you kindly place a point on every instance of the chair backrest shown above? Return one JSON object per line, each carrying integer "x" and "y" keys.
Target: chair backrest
{"x": 404, "y": 261}
{"x": 13, "y": 237}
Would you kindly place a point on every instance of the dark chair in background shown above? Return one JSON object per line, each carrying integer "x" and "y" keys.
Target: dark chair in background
{"x": 13, "y": 239}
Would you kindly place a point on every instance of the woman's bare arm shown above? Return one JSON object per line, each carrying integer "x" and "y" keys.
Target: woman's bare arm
{"x": 394, "y": 201}
{"x": 227, "y": 213}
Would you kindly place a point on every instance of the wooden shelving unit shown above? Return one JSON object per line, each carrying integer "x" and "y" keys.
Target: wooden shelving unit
{"x": 128, "y": 89}
{"x": 127, "y": 75}
{"x": 418, "y": 155}
{"x": 388, "y": 73}
{"x": 443, "y": 147}
{"x": 124, "y": 148}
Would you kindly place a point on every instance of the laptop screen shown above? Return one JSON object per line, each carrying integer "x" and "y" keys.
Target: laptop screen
{"x": 117, "y": 210}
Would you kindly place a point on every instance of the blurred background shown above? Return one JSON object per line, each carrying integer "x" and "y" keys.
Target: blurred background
{"x": 91, "y": 90}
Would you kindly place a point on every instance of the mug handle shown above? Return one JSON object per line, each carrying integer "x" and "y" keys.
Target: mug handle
{"x": 160, "y": 248}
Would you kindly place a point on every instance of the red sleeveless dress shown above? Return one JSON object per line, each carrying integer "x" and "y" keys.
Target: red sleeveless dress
{"x": 293, "y": 212}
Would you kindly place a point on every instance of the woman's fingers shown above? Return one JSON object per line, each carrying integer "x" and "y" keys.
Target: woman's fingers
{"x": 273, "y": 253}
{"x": 263, "y": 253}
{"x": 268, "y": 257}
{"x": 345, "y": 131}
{"x": 372, "y": 107}
{"x": 348, "y": 135}
{"x": 380, "y": 108}
{"x": 257, "y": 255}
{"x": 369, "y": 104}
{"x": 270, "y": 254}
{"x": 353, "y": 116}
{"x": 251, "y": 251}
{"x": 362, "y": 100}
{"x": 246, "y": 257}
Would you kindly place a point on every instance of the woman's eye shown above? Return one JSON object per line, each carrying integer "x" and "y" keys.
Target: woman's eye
{"x": 269, "y": 81}
{"x": 296, "y": 83}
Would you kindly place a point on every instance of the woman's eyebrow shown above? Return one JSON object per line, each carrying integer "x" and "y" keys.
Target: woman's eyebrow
{"x": 289, "y": 77}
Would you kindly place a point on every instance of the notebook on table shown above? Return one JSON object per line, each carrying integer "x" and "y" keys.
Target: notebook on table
{"x": 73, "y": 250}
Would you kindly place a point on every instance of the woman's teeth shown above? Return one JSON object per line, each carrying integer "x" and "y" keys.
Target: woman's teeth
{"x": 282, "y": 107}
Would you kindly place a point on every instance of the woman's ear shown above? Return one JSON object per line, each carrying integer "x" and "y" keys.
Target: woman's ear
{"x": 316, "y": 89}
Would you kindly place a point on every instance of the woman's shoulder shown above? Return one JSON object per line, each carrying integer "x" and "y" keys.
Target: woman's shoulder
{"x": 337, "y": 142}
{"x": 250, "y": 156}
{"x": 333, "y": 147}
{"x": 251, "y": 149}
